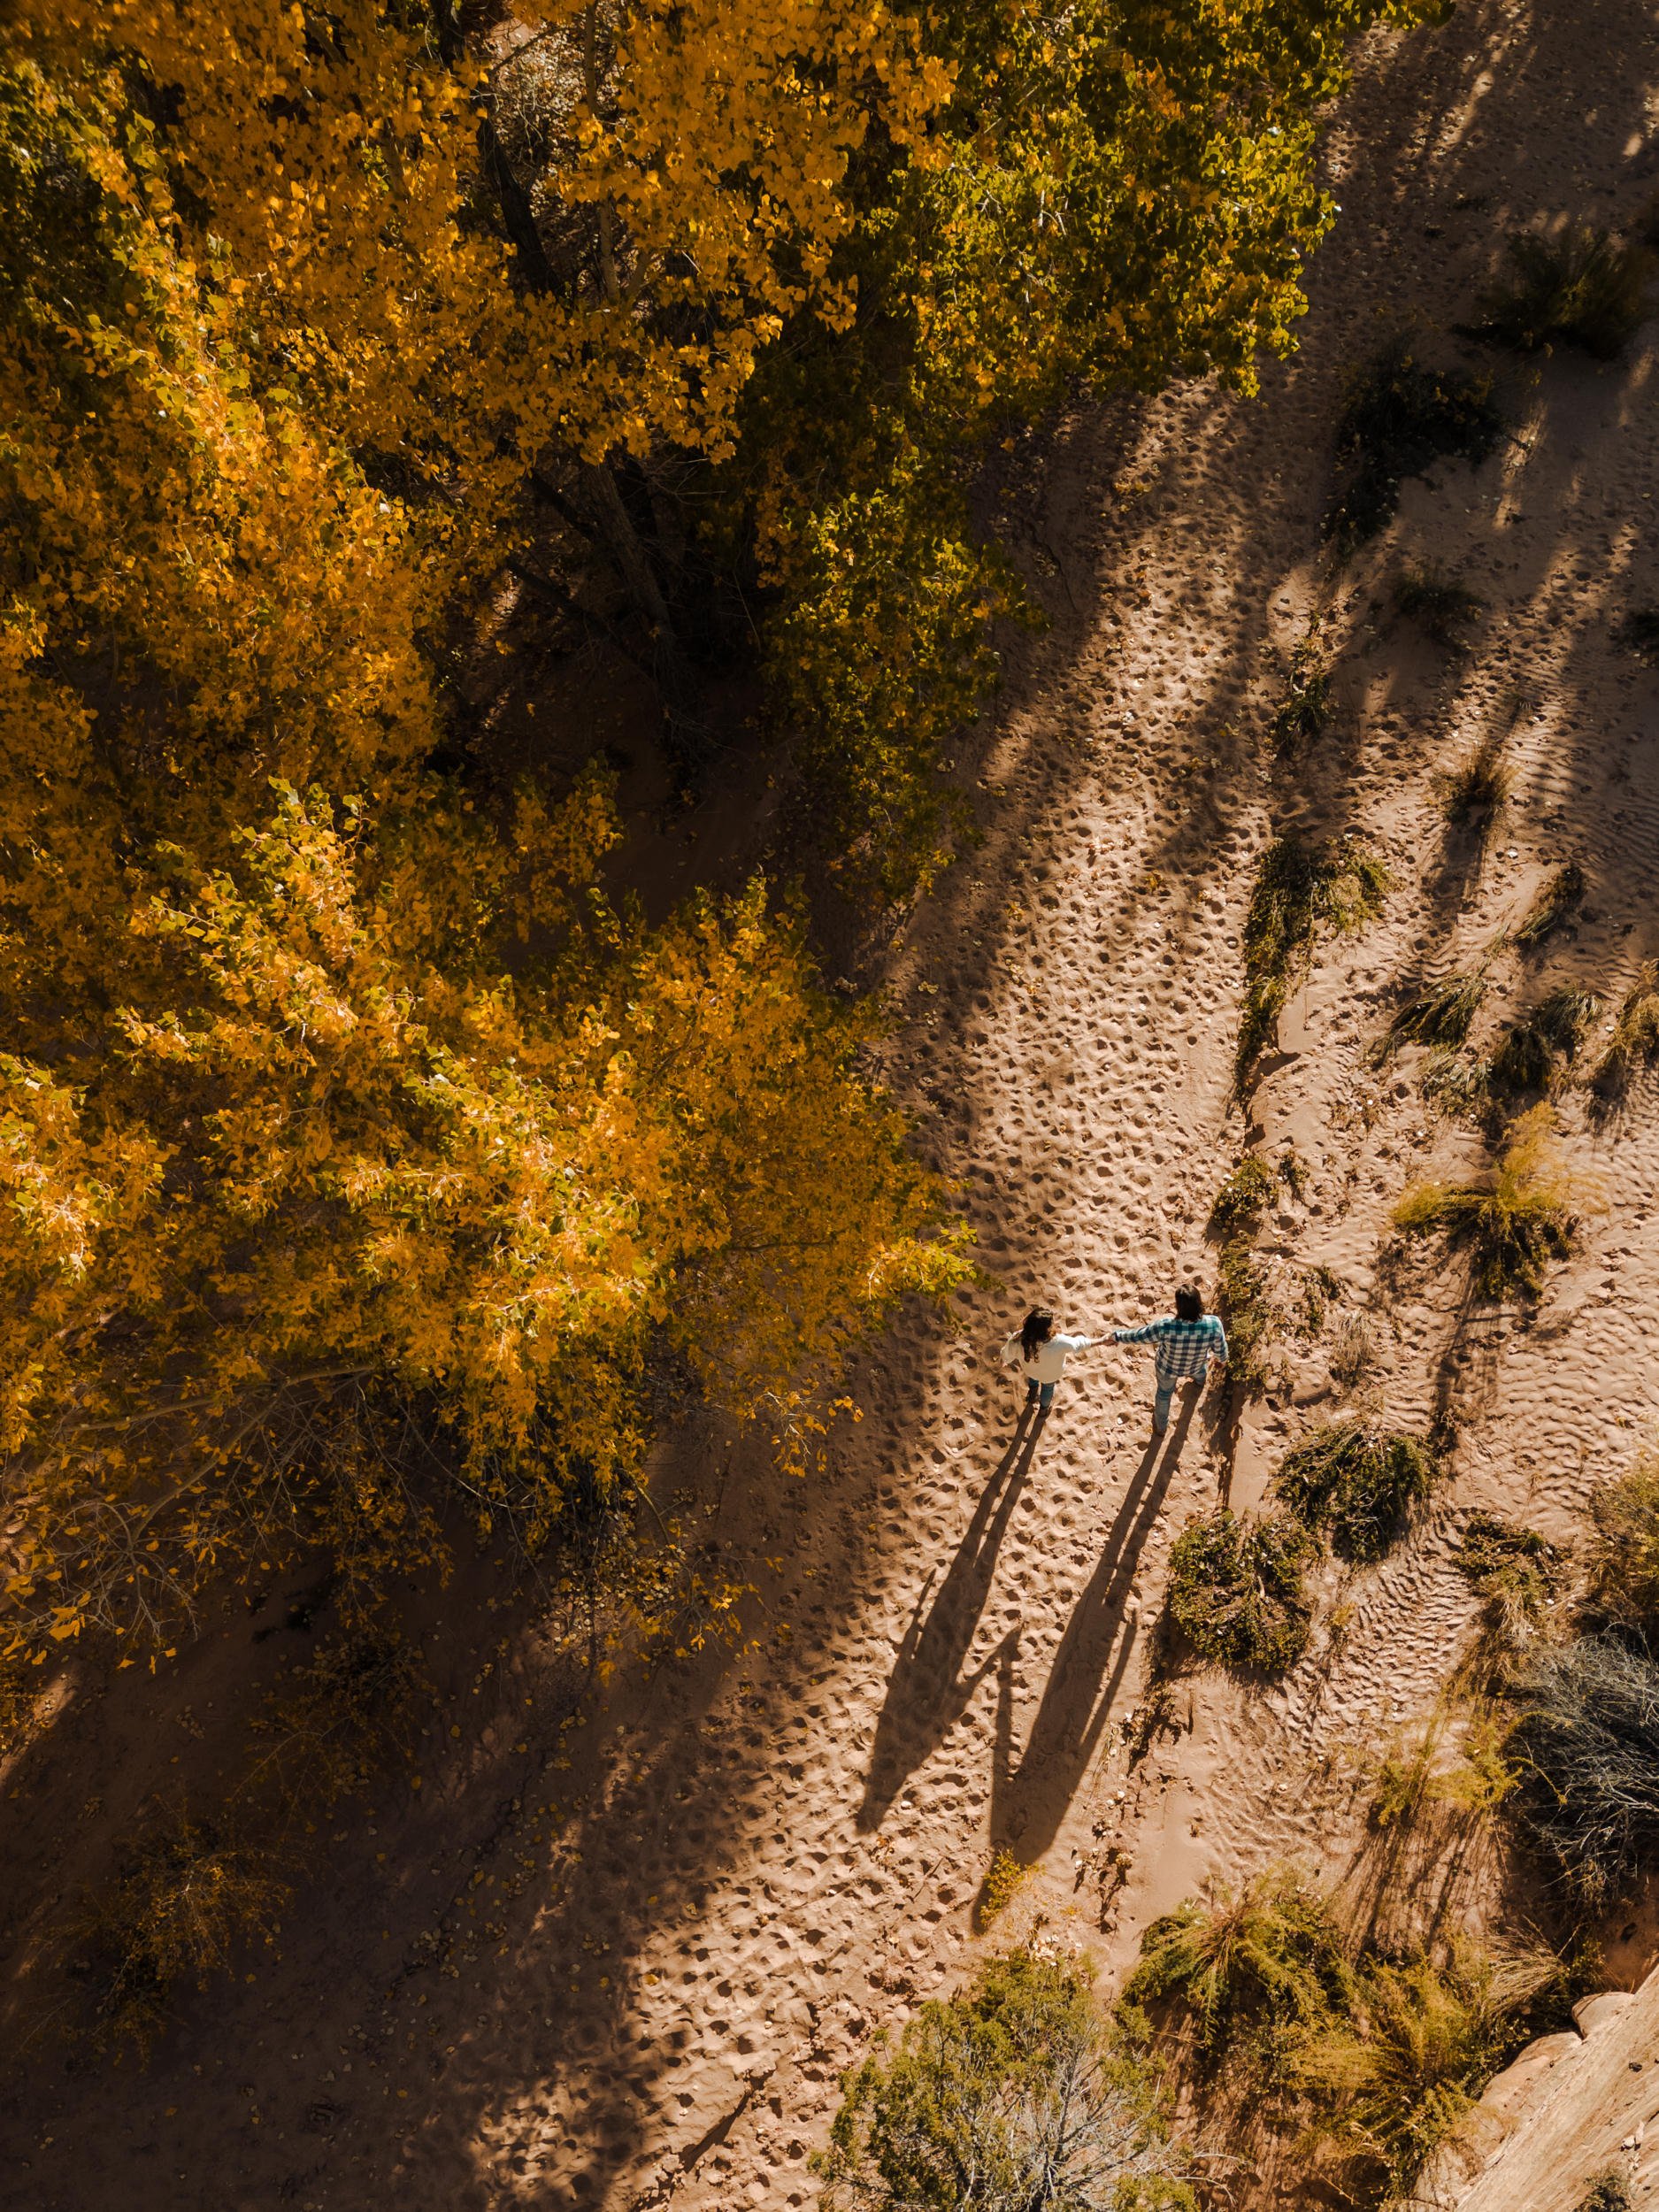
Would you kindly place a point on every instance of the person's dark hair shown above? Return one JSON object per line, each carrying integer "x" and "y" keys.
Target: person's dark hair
{"x": 1035, "y": 1331}
{"x": 1189, "y": 1302}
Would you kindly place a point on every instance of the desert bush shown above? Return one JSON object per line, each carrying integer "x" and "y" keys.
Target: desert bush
{"x": 1522, "y": 1059}
{"x": 1244, "y": 1197}
{"x": 1236, "y": 1589}
{"x": 1624, "y": 1546}
{"x": 1401, "y": 416}
{"x": 1580, "y": 286}
{"x": 1420, "y": 2039}
{"x": 1608, "y": 2193}
{"x": 1557, "y": 898}
{"x": 1415, "y": 1772}
{"x": 1516, "y": 1570}
{"x": 1252, "y": 1319}
{"x": 1012, "y": 2096}
{"x": 1529, "y": 1056}
{"x": 1587, "y": 1741}
{"x": 332, "y": 1724}
{"x": 1301, "y": 890}
{"x": 186, "y": 1896}
{"x": 1358, "y": 1481}
{"x": 1479, "y": 783}
{"x": 1238, "y": 1960}
{"x": 1303, "y": 712}
{"x": 1635, "y": 1038}
{"x": 1456, "y": 1086}
{"x": 1442, "y": 1015}
{"x": 1521, "y": 1215}
{"x": 1447, "y": 609}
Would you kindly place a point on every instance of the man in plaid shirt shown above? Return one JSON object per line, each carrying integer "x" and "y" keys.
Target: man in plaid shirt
{"x": 1186, "y": 1342}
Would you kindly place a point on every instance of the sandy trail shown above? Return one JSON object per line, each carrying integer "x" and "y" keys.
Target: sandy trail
{"x": 750, "y": 1866}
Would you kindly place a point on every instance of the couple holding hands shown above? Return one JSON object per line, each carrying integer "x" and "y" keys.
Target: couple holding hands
{"x": 1186, "y": 1341}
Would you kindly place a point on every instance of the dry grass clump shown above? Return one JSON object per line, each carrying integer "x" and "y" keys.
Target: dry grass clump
{"x": 1589, "y": 1742}
{"x": 1635, "y": 1038}
{"x": 1006, "y": 1877}
{"x": 1305, "y": 708}
{"x": 1479, "y": 783}
{"x": 1624, "y": 1548}
{"x": 1353, "y": 1349}
{"x": 1582, "y": 286}
{"x": 1421, "y": 2039}
{"x": 1267, "y": 1956}
{"x": 1236, "y": 1589}
{"x": 1401, "y": 417}
{"x": 1516, "y": 1570}
{"x": 1533, "y": 1051}
{"x": 1301, "y": 890}
{"x": 1557, "y": 898}
{"x": 1013, "y": 2094}
{"x": 1522, "y": 1214}
{"x": 1358, "y": 1481}
{"x": 1457, "y": 1086}
{"x": 1442, "y": 1015}
{"x": 1447, "y": 610}
{"x": 185, "y": 1897}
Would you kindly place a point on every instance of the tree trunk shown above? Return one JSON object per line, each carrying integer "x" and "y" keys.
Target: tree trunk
{"x": 687, "y": 737}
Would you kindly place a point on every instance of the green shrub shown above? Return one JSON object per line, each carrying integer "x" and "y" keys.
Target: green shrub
{"x": 1446, "y": 609}
{"x": 1556, "y": 898}
{"x": 1520, "y": 1216}
{"x": 1624, "y": 1548}
{"x": 1588, "y": 1744}
{"x": 1237, "y": 1961}
{"x": 1516, "y": 1570}
{"x": 1357, "y": 1480}
{"x": 1236, "y": 1589}
{"x": 186, "y": 1896}
{"x": 1421, "y": 2039}
{"x": 1011, "y": 2096}
{"x": 1301, "y": 890}
{"x": 1400, "y": 417}
{"x": 1580, "y": 286}
{"x": 1441, "y": 1016}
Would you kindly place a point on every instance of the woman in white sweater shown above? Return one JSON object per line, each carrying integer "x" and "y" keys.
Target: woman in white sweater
{"x": 1035, "y": 1348}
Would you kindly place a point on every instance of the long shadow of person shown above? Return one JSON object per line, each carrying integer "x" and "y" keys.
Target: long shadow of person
{"x": 1029, "y": 1800}
{"x": 927, "y": 1691}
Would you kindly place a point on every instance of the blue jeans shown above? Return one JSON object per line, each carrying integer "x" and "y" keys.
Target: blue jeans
{"x": 1161, "y": 1406}
{"x": 1040, "y": 1394}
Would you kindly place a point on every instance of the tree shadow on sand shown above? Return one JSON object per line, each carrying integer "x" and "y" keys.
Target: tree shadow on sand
{"x": 928, "y": 1691}
{"x": 1029, "y": 1800}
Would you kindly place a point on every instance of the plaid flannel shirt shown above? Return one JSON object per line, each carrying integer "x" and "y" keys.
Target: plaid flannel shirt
{"x": 1183, "y": 1348}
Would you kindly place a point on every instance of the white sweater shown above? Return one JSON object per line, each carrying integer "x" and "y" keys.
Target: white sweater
{"x": 1050, "y": 1364}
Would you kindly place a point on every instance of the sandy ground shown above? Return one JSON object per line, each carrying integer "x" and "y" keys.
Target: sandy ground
{"x": 618, "y": 1955}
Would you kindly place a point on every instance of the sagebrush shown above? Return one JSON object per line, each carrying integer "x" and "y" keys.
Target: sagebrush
{"x": 1358, "y": 1479}
{"x": 1236, "y": 1588}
